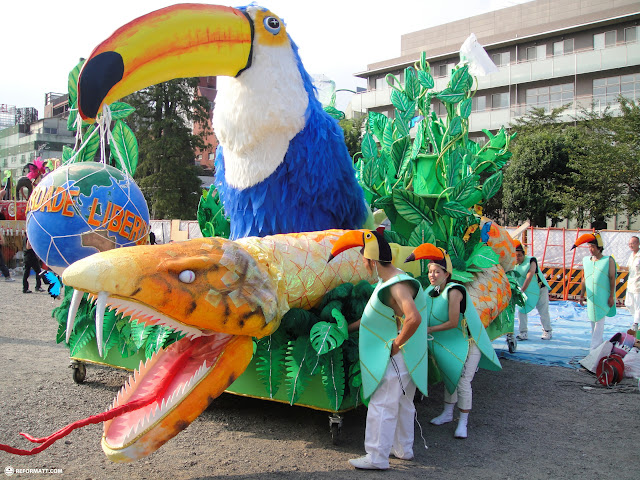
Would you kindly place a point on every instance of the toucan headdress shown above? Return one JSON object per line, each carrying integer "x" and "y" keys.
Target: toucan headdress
{"x": 594, "y": 238}
{"x": 373, "y": 244}
{"x": 428, "y": 251}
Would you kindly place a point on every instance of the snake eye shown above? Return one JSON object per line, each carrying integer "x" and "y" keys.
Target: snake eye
{"x": 272, "y": 24}
{"x": 187, "y": 276}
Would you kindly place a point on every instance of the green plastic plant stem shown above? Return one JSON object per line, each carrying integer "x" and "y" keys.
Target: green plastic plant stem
{"x": 391, "y": 84}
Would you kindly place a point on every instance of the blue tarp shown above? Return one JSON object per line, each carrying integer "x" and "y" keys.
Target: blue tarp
{"x": 571, "y": 335}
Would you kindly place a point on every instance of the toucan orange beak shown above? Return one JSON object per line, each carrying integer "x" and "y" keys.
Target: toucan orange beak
{"x": 350, "y": 239}
{"x": 586, "y": 238}
{"x": 181, "y": 41}
{"x": 426, "y": 251}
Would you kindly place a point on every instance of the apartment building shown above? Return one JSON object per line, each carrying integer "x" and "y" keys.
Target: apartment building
{"x": 548, "y": 52}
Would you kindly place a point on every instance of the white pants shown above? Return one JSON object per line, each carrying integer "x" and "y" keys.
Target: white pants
{"x": 390, "y": 415}
{"x": 597, "y": 333}
{"x": 632, "y": 302}
{"x": 543, "y": 309}
{"x": 463, "y": 394}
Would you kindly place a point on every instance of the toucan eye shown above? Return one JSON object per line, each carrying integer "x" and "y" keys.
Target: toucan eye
{"x": 368, "y": 235}
{"x": 272, "y": 24}
{"x": 187, "y": 276}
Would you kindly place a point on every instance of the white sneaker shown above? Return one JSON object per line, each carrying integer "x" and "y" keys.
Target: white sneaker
{"x": 522, "y": 336}
{"x": 9, "y": 279}
{"x": 401, "y": 457}
{"x": 546, "y": 335}
{"x": 363, "y": 463}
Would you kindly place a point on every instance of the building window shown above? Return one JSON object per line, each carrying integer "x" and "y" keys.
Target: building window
{"x": 441, "y": 70}
{"x": 604, "y": 40}
{"x": 550, "y": 97}
{"x": 501, "y": 59}
{"x": 381, "y": 83}
{"x": 631, "y": 35}
{"x": 212, "y": 157}
{"x": 500, "y": 100}
{"x": 479, "y": 104}
{"x": 607, "y": 90}
{"x": 538, "y": 52}
{"x": 563, "y": 47}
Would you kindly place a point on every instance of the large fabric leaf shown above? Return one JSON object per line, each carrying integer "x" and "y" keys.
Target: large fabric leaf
{"x": 80, "y": 338}
{"x": 120, "y": 110}
{"x": 327, "y": 336}
{"x": 423, "y": 233}
{"x": 72, "y": 83}
{"x": 270, "y": 363}
{"x": 455, "y": 210}
{"x": 125, "y": 150}
{"x": 425, "y": 79}
{"x": 411, "y": 207}
{"x": 90, "y": 145}
{"x": 411, "y": 84}
{"x": 492, "y": 185}
{"x": 369, "y": 147}
{"x": 299, "y": 352}
{"x": 461, "y": 81}
{"x": 483, "y": 256}
{"x": 155, "y": 340}
{"x": 333, "y": 378}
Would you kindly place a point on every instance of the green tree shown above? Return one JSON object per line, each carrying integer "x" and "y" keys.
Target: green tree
{"x": 163, "y": 123}
{"x": 352, "y": 129}
{"x": 538, "y": 169}
{"x": 627, "y": 138}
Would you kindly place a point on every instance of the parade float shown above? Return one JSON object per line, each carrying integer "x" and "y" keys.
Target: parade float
{"x": 262, "y": 313}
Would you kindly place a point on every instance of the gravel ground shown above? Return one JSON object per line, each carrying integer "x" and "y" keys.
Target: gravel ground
{"x": 528, "y": 421}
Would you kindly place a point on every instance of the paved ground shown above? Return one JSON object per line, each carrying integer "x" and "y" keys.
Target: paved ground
{"x": 528, "y": 422}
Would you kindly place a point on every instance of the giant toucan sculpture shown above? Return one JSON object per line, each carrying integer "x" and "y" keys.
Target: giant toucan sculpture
{"x": 282, "y": 165}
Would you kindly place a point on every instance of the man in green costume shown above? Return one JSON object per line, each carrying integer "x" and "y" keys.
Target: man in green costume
{"x": 599, "y": 283}
{"x": 535, "y": 286}
{"x": 393, "y": 351}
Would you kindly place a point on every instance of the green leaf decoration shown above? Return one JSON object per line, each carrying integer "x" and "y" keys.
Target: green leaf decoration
{"x": 155, "y": 340}
{"x": 402, "y": 102}
{"x": 400, "y": 151}
{"x": 110, "y": 331}
{"x": 378, "y": 123}
{"x": 449, "y": 95}
{"x": 210, "y": 215}
{"x": 456, "y": 247}
{"x": 298, "y": 372}
{"x": 72, "y": 83}
{"x": 411, "y": 84}
{"x": 125, "y": 150}
{"x": 334, "y": 112}
{"x": 465, "y": 108}
{"x": 387, "y": 138}
{"x": 326, "y": 336}
{"x": 80, "y": 338}
{"x": 73, "y": 115}
{"x": 425, "y": 79}
{"x": 61, "y": 333}
{"x": 483, "y": 256}
{"x": 369, "y": 147}
{"x": 455, "y": 127}
{"x": 270, "y": 361}
{"x": 333, "y": 378}
{"x": 461, "y": 81}
{"x": 418, "y": 141}
{"x": 139, "y": 334}
{"x": 492, "y": 185}
{"x": 120, "y": 110}
{"x": 456, "y": 210}
{"x": 411, "y": 207}
{"x": 465, "y": 188}
{"x": 67, "y": 153}
{"x": 90, "y": 145}
{"x": 423, "y": 233}
{"x": 394, "y": 237}
{"x": 460, "y": 276}
{"x": 400, "y": 127}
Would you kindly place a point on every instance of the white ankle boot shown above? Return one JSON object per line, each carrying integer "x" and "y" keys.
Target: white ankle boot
{"x": 461, "y": 431}
{"x": 446, "y": 416}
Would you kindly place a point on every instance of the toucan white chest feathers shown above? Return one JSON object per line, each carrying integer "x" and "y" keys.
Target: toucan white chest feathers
{"x": 259, "y": 112}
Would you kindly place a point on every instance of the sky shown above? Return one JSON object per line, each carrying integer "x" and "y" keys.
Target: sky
{"x": 41, "y": 41}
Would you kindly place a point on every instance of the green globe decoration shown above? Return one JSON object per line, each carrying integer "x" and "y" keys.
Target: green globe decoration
{"x": 84, "y": 208}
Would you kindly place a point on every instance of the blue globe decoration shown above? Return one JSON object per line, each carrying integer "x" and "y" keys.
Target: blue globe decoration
{"x": 84, "y": 208}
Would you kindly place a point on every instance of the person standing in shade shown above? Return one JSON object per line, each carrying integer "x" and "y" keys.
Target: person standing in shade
{"x": 599, "y": 284}
{"x": 535, "y": 286}
{"x": 31, "y": 261}
{"x": 393, "y": 351}
{"x": 460, "y": 342}
{"x": 3, "y": 267}
{"x": 632, "y": 298}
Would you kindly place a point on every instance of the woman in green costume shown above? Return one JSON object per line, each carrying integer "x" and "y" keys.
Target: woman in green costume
{"x": 599, "y": 283}
{"x": 460, "y": 343}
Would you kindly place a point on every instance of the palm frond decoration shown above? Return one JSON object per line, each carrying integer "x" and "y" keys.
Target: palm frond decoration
{"x": 270, "y": 361}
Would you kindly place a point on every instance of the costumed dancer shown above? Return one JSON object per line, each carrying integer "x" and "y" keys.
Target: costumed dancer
{"x": 31, "y": 261}
{"x": 537, "y": 292}
{"x": 632, "y": 298}
{"x": 3, "y": 268}
{"x": 460, "y": 343}
{"x": 393, "y": 351}
{"x": 599, "y": 282}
